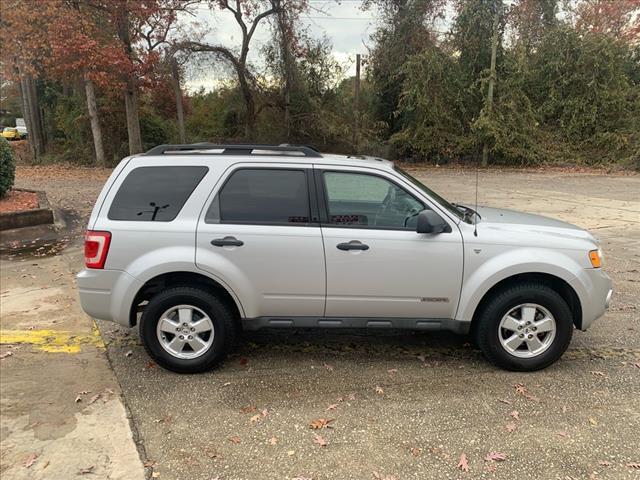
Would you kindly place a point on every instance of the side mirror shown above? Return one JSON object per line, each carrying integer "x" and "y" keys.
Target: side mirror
{"x": 430, "y": 222}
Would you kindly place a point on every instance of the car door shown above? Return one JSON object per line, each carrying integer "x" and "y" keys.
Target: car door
{"x": 260, "y": 235}
{"x": 377, "y": 265}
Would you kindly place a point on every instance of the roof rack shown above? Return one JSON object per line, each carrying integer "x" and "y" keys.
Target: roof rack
{"x": 197, "y": 149}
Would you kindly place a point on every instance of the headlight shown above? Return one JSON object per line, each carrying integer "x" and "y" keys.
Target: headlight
{"x": 596, "y": 258}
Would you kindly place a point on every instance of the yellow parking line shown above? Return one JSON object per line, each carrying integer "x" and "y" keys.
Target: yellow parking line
{"x": 52, "y": 341}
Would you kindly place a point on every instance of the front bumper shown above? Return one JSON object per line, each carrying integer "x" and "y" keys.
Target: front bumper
{"x": 595, "y": 292}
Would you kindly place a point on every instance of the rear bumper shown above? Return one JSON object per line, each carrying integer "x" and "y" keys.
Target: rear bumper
{"x": 596, "y": 292}
{"x": 107, "y": 294}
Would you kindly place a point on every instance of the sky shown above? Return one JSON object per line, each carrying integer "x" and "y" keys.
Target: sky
{"x": 347, "y": 27}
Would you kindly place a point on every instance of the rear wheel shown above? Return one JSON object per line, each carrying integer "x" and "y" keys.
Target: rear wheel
{"x": 526, "y": 327}
{"x": 187, "y": 330}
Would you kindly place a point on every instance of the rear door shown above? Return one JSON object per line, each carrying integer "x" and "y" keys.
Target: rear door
{"x": 260, "y": 234}
{"x": 377, "y": 265}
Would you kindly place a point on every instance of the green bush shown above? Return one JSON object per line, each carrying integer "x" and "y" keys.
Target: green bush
{"x": 7, "y": 167}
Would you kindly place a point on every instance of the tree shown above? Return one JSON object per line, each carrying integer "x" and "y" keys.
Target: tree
{"x": 406, "y": 29}
{"x": 81, "y": 47}
{"x": 23, "y": 60}
{"x": 620, "y": 18}
{"x": 241, "y": 9}
{"x": 530, "y": 19}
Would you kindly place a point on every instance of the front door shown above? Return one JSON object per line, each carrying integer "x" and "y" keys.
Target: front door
{"x": 377, "y": 265}
{"x": 261, "y": 238}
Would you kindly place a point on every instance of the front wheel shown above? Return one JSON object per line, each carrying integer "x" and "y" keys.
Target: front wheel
{"x": 187, "y": 330}
{"x": 524, "y": 328}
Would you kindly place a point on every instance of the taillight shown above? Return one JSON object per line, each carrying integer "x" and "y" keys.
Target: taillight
{"x": 96, "y": 246}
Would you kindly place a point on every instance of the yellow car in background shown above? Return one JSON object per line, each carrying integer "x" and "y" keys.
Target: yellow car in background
{"x": 10, "y": 133}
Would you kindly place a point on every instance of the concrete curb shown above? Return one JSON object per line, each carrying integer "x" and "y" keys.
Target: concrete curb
{"x": 28, "y": 218}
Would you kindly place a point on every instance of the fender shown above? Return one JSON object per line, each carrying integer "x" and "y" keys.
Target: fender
{"x": 182, "y": 260}
{"x": 510, "y": 263}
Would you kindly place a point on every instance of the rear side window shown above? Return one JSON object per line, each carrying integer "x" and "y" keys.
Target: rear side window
{"x": 155, "y": 194}
{"x": 262, "y": 196}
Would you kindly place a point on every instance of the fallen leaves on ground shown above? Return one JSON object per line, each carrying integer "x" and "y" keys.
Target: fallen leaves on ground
{"x": 463, "y": 463}
{"x": 495, "y": 456}
{"x": 235, "y": 439}
{"x": 333, "y": 406}
{"x": 248, "y": 409}
{"x": 87, "y": 470}
{"x": 18, "y": 201}
{"x": 593, "y": 421}
{"x": 562, "y": 434}
{"x": 521, "y": 389}
{"x": 380, "y": 476}
{"x": 510, "y": 427}
{"x": 598, "y": 373}
{"x": 505, "y": 401}
{"x": 30, "y": 460}
{"x": 391, "y": 371}
{"x": 210, "y": 451}
{"x": 321, "y": 423}
{"x": 259, "y": 416}
{"x": 328, "y": 367}
{"x": 415, "y": 451}
{"x": 272, "y": 441}
{"x": 515, "y": 415}
{"x": 319, "y": 439}
{"x": 243, "y": 361}
{"x": 94, "y": 398}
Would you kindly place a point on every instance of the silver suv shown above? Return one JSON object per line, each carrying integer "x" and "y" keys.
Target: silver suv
{"x": 195, "y": 242}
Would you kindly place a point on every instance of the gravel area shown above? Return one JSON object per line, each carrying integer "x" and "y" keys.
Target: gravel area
{"x": 401, "y": 405}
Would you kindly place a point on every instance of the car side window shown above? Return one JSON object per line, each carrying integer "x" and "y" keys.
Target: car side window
{"x": 262, "y": 196}
{"x": 364, "y": 200}
{"x": 155, "y": 194}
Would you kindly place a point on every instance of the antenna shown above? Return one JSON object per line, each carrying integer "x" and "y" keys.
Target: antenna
{"x": 475, "y": 217}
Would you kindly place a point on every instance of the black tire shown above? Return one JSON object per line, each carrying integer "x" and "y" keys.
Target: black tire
{"x": 220, "y": 314}
{"x": 486, "y": 330}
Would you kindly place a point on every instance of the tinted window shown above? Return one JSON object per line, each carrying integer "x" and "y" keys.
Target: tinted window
{"x": 369, "y": 201}
{"x": 262, "y": 196}
{"x": 155, "y": 193}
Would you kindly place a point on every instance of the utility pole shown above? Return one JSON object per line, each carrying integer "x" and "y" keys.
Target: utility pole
{"x": 492, "y": 77}
{"x": 356, "y": 105}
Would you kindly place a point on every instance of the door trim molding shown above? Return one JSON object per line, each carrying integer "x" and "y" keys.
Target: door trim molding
{"x": 423, "y": 324}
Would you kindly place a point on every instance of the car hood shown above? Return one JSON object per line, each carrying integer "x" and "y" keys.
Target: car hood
{"x": 503, "y": 220}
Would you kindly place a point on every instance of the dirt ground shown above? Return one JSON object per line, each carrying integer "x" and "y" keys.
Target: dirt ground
{"x": 401, "y": 405}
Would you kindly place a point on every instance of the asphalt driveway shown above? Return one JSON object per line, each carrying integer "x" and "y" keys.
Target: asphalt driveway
{"x": 396, "y": 405}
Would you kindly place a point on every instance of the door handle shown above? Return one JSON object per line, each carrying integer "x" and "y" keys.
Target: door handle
{"x": 227, "y": 242}
{"x": 353, "y": 245}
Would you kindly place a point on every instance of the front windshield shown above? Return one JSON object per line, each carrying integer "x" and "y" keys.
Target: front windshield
{"x": 453, "y": 210}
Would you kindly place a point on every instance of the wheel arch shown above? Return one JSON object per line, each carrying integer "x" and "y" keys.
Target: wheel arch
{"x": 166, "y": 280}
{"x": 554, "y": 282}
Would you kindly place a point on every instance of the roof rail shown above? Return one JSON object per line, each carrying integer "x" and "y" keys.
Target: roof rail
{"x": 196, "y": 149}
